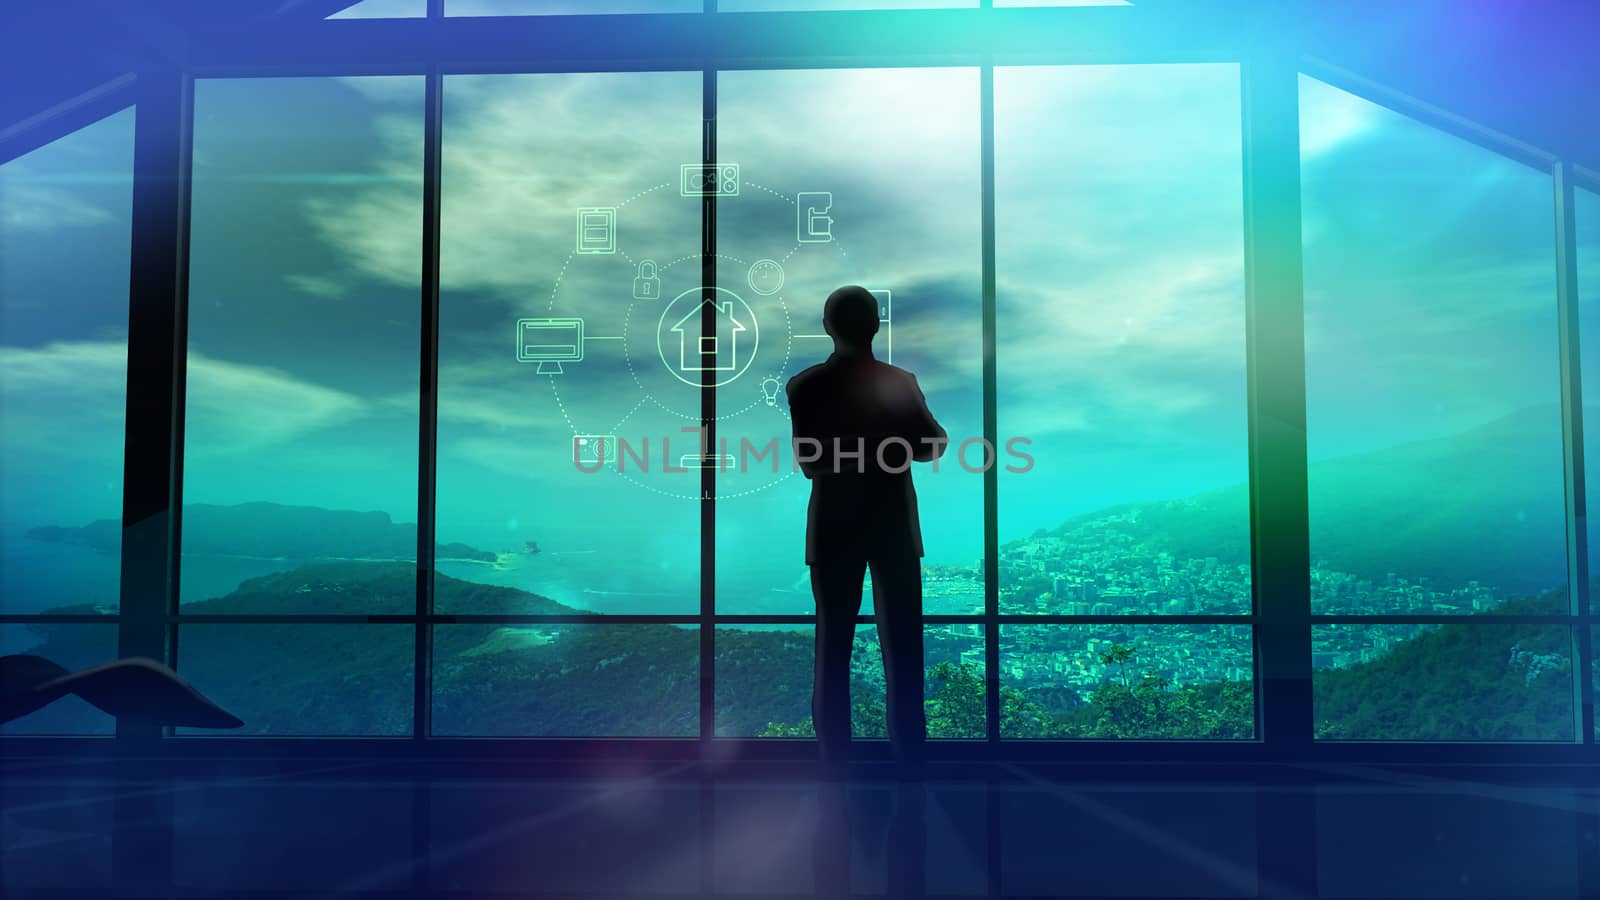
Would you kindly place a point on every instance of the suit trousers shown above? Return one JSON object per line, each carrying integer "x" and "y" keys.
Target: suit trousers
{"x": 897, "y": 603}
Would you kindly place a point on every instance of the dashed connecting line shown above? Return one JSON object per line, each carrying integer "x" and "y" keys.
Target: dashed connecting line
{"x": 559, "y": 275}
{"x": 761, "y": 187}
{"x": 618, "y": 427}
{"x": 664, "y": 184}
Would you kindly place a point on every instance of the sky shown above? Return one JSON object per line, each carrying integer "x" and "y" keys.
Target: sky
{"x": 1429, "y": 298}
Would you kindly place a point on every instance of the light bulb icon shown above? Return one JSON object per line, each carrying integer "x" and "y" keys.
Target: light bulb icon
{"x": 769, "y": 390}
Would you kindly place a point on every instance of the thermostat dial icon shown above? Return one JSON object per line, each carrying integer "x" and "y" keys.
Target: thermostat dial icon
{"x": 765, "y": 277}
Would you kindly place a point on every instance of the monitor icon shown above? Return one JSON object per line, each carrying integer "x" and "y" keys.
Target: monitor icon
{"x": 597, "y": 229}
{"x": 550, "y": 342}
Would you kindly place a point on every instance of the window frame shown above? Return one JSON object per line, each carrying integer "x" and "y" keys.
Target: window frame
{"x": 710, "y": 42}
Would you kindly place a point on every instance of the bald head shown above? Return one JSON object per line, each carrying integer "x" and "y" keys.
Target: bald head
{"x": 851, "y": 315}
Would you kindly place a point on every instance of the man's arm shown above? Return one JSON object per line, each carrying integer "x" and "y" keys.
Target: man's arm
{"x": 800, "y": 418}
{"x": 928, "y": 438}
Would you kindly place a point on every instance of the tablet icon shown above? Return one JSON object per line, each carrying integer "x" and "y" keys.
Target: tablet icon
{"x": 597, "y": 229}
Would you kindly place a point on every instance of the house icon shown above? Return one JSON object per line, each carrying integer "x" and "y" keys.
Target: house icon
{"x": 714, "y": 352}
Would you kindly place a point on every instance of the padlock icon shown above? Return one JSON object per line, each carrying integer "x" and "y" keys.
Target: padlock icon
{"x": 646, "y": 284}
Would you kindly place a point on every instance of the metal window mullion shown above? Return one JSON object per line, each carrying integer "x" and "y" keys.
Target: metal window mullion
{"x": 991, "y": 479}
{"x": 1275, "y": 366}
{"x": 706, "y": 794}
{"x": 708, "y": 417}
{"x": 428, "y": 402}
{"x": 152, "y": 492}
{"x": 1573, "y": 448}
{"x": 158, "y": 298}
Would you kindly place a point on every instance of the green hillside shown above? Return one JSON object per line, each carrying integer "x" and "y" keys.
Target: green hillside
{"x": 1485, "y": 504}
{"x": 1480, "y": 505}
{"x": 1475, "y": 681}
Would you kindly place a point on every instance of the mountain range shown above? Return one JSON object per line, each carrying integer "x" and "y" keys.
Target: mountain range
{"x": 1482, "y": 504}
{"x": 275, "y": 531}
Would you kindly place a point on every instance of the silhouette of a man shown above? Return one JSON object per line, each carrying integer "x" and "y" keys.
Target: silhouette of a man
{"x": 858, "y": 425}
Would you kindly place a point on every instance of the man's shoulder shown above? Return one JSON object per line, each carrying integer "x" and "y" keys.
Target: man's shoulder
{"x": 890, "y": 372}
{"x": 805, "y": 378}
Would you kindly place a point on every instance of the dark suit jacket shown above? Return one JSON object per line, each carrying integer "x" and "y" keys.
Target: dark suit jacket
{"x": 859, "y": 508}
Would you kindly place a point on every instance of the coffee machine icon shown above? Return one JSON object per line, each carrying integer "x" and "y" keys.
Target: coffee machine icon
{"x": 813, "y": 225}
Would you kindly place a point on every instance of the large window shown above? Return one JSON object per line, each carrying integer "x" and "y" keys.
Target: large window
{"x": 1434, "y": 436}
{"x": 558, "y": 190}
{"x": 883, "y": 193}
{"x": 300, "y": 450}
{"x": 1121, "y": 373}
{"x": 64, "y": 225}
{"x": 599, "y": 573}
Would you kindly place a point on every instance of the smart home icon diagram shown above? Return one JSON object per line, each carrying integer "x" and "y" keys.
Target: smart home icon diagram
{"x": 707, "y": 329}
{"x": 622, "y": 290}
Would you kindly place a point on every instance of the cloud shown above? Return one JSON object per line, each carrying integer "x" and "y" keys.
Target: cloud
{"x": 1121, "y": 292}
{"x": 237, "y": 407}
{"x": 328, "y": 286}
{"x": 38, "y": 207}
{"x": 62, "y": 396}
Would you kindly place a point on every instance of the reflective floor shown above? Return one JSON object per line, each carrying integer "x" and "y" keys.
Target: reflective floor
{"x": 673, "y": 830}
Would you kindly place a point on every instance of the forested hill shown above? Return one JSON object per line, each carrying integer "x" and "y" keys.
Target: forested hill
{"x": 1474, "y": 681}
{"x": 1470, "y": 681}
{"x": 489, "y": 680}
{"x": 274, "y": 531}
{"x": 1484, "y": 504}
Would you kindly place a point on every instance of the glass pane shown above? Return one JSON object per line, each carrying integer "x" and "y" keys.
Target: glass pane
{"x": 1108, "y": 682}
{"x": 1459, "y": 682}
{"x": 72, "y": 647}
{"x": 898, "y": 213}
{"x": 384, "y": 9}
{"x": 767, "y": 5}
{"x": 1432, "y": 386}
{"x": 566, "y": 680}
{"x": 1120, "y": 340}
{"x": 65, "y": 218}
{"x": 953, "y": 691}
{"x": 1594, "y": 665}
{"x": 566, "y": 7}
{"x": 1587, "y": 214}
{"x": 304, "y": 324}
{"x": 555, "y": 188}
{"x": 293, "y": 680}
{"x": 764, "y": 678}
